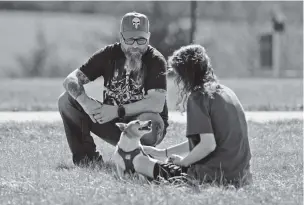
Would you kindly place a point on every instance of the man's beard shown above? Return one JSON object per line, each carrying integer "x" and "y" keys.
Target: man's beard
{"x": 134, "y": 61}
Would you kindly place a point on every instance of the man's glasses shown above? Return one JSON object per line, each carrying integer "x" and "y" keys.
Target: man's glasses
{"x": 130, "y": 41}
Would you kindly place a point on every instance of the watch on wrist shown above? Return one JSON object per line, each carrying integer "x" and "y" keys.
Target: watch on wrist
{"x": 121, "y": 111}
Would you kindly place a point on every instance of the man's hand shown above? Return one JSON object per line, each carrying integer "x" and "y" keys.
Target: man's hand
{"x": 105, "y": 113}
{"x": 92, "y": 107}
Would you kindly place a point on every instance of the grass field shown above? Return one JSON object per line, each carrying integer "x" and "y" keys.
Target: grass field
{"x": 36, "y": 168}
{"x": 255, "y": 94}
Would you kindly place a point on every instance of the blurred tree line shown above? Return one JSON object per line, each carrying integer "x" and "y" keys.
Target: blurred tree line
{"x": 168, "y": 33}
{"x": 250, "y": 11}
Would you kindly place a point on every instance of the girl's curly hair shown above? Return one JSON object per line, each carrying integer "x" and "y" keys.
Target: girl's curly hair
{"x": 194, "y": 71}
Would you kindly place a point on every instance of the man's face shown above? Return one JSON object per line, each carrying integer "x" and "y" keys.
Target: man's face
{"x": 135, "y": 46}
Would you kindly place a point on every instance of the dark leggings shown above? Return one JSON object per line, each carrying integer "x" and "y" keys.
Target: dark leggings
{"x": 173, "y": 173}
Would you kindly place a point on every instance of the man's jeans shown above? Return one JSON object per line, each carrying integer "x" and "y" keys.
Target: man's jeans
{"x": 78, "y": 125}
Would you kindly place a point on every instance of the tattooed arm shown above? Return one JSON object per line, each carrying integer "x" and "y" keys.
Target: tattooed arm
{"x": 153, "y": 102}
{"x": 89, "y": 71}
{"x": 73, "y": 84}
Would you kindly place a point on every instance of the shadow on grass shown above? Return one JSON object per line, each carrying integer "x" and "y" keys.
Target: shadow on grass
{"x": 107, "y": 167}
{"x": 62, "y": 166}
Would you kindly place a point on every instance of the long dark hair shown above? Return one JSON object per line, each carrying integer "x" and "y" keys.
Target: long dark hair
{"x": 193, "y": 72}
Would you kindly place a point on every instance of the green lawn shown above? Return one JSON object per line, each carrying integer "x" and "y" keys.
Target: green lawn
{"x": 254, "y": 94}
{"x": 36, "y": 168}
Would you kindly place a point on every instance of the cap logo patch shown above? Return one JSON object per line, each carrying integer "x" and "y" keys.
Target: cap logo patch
{"x": 136, "y": 22}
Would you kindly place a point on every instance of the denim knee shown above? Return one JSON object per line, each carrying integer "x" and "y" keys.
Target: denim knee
{"x": 62, "y": 101}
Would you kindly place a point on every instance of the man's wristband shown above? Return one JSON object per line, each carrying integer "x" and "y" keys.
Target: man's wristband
{"x": 121, "y": 112}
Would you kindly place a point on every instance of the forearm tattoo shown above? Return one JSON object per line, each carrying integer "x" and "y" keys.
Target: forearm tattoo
{"x": 82, "y": 78}
{"x": 74, "y": 85}
{"x": 74, "y": 88}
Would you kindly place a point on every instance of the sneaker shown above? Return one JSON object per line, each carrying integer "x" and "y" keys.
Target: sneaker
{"x": 90, "y": 160}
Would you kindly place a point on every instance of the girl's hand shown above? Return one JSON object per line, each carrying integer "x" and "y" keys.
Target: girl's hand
{"x": 177, "y": 160}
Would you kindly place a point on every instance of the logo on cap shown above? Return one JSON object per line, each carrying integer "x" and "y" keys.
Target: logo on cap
{"x": 136, "y": 22}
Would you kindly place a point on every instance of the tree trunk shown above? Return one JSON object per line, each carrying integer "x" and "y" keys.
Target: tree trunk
{"x": 193, "y": 20}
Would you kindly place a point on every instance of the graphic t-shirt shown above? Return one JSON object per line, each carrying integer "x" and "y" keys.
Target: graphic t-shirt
{"x": 120, "y": 87}
{"x": 123, "y": 89}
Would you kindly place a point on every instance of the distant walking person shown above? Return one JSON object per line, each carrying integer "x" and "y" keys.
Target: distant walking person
{"x": 135, "y": 88}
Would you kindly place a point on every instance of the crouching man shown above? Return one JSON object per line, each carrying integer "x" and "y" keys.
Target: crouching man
{"x": 135, "y": 88}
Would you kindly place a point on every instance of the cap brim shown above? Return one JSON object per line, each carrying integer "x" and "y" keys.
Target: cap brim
{"x": 135, "y": 34}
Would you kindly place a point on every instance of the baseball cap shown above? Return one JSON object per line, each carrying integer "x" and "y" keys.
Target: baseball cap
{"x": 134, "y": 24}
